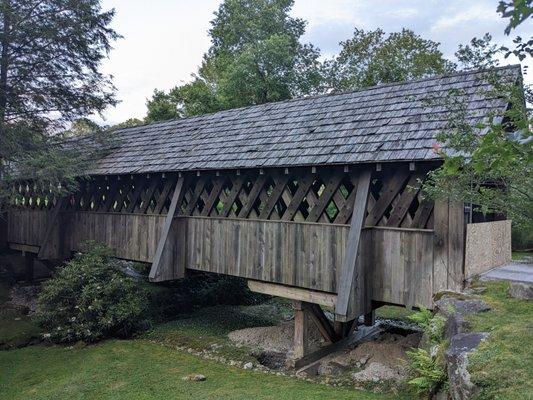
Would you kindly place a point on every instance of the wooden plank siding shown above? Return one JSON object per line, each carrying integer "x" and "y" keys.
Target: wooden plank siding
{"x": 401, "y": 269}
{"x": 306, "y": 255}
{"x": 26, "y": 226}
{"x": 398, "y": 262}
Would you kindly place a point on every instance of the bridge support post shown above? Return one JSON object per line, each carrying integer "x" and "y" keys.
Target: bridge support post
{"x": 301, "y": 330}
{"x": 29, "y": 261}
{"x": 3, "y": 231}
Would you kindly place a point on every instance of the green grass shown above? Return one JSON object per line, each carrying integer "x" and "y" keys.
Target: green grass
{"x": 394, "y": 312}
{"x": 503, "y": 365}
{"x": 137, "y": 369}
{"x": 210, "y": 326}
{"x": 520, "y": 255}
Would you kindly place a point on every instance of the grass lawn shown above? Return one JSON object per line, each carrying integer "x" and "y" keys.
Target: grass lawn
{"x": 520, "y": 255}
{"x": 503, "y": 365}
{"x": 138, "y": 369}
{"x": 210, "y": 326}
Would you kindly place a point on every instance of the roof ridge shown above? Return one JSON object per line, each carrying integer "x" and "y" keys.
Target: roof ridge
{"x": 323, "y": 95}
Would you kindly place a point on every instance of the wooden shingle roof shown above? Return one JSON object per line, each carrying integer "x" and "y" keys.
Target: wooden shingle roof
{"x": 377, "y": 124}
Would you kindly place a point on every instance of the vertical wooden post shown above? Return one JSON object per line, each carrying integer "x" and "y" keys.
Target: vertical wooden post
{"x": 448, "y": 240}
{"x": 3, "y": 231}
{"x": 370, "y": 318}
{"x": 29, "y": 259}
{"x": 301, "y": 340}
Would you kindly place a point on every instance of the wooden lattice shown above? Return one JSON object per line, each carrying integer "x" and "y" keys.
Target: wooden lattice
{"x": 324, "y": 195}
{"x": 32, "y": 196}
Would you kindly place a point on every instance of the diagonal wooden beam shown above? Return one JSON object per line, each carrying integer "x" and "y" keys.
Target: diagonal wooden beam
{"x": 404, "y": 202}
{"x": 176, "y": 199}
{"x": 162, "y": 199}
{"x": 237, "y": 184}
{"x": 391, "y": 187}
{"x": 350, "y": 282}
{"x": 274, "y": 197}
{"x": 46, "y": 242}
{"x": 252, "y": 197}
{"x": 322, "y": 322}
{"x": 304, "y": 185}
{"x": 331, "y": 186}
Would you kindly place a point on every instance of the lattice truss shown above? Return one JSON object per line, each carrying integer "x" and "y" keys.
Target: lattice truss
{"x": 302, "y": 194}
{"x": 33, "y": 196}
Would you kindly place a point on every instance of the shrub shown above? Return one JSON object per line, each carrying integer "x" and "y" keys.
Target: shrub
{"x": 89, "y": 299}
{"x": 198, "y": 289}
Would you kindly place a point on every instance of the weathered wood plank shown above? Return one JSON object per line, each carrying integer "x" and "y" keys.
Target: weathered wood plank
{"x": 157, "y": 262}
{"x": 352, "y": 282}
{"x": 293, "y": 293}
{"x": 49, "y": 243}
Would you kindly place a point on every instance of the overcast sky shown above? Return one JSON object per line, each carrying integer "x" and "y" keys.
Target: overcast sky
{"x": 164, "y": 40}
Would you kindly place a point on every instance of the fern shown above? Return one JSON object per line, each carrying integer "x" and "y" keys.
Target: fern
{"x": 430, "y": 371}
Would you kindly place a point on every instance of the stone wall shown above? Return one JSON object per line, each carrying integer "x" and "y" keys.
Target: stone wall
{"x": 488, "y": 245}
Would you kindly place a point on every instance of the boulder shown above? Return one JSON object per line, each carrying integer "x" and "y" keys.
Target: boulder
{"x": 461, "y": 345}
{"x": 455, "y": 309}
{"x": 448, "y": 306}
{"x": 522, "y": 291}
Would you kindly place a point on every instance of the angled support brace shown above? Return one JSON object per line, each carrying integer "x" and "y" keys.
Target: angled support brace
{"x": 157, "y": 262}
{"x": 350, "y": 298}
{"x": 47, "y": 244}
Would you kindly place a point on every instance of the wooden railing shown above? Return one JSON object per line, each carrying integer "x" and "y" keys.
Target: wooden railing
{"x": 398, "y": 262}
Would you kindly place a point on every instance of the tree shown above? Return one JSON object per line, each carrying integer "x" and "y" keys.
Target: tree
{"x": 255, "y": 57}
{"x": 371, "y": 57}
{"x": 488, "y": 164}
{"x": 82, "y": 127}
{"x": 50, "y": 53}
{"x": 479, "y": 54}
{"x": 516, "y": 10}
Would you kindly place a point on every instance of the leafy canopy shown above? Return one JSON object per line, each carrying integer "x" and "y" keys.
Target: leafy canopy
{"x": 372, "y": 57}
{"x": 255, "y": 57}
{"x": 50, "y": 54}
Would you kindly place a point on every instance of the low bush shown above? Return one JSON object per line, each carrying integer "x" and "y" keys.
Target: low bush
{"x": 196, "y": 290}
{"x": 89, "y": 298}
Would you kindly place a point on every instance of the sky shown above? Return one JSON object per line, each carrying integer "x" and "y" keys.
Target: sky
{"x": 164, "y": 40}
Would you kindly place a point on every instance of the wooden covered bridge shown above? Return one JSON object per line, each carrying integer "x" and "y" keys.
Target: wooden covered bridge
{"x": 316, "y": 200}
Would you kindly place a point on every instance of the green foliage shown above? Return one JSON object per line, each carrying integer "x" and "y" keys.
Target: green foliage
{"x": 433, "y": 324}
{"x": 430, "y": 371}
{"x": 522, "y": 238}
{"x": 49, "y": 75}
{"x": 428, "y": 366}
{"x": 479, "y": 54}
{"x": 488, "y": 164}
{"x": 54, "y": 50}
{"x": 255, "y": 57}
{"x": 516, "y": 10}
{"x": 89, "y": 299}
{"x": 198, "y": 289}
{"x": 371, "y": 57}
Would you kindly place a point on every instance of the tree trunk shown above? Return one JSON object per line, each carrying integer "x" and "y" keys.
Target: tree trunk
{"x": 4, "y": 62}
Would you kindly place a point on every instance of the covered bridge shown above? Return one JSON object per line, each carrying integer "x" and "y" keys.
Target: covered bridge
{"x": 316, "y": 199}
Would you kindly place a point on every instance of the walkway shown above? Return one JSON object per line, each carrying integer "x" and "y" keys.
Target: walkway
{"x": 513, "y": 271}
